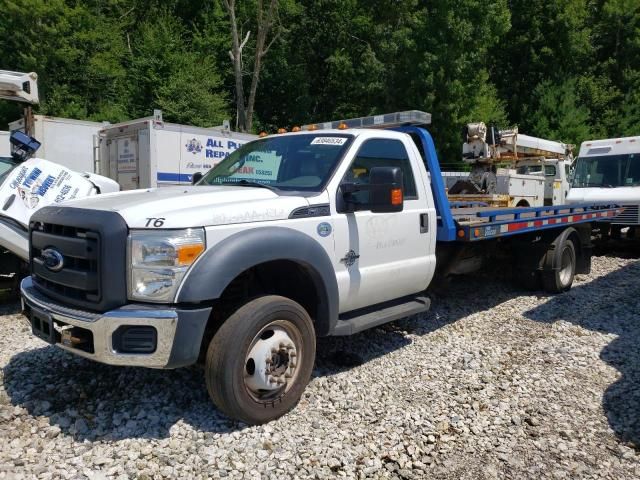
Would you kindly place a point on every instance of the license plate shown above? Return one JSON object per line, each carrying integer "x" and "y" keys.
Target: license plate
{"x": 42, "y": 326}
{"x": 490, "y": 231}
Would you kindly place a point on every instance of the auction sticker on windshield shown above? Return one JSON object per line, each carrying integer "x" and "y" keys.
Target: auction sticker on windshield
{"x": 329, "y": 141}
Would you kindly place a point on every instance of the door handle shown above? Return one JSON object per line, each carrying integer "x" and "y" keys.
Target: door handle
{"x": 424, "y": 222}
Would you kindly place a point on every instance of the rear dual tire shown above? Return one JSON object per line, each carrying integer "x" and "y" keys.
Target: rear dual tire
{"x": 557, "y": 270}
{"x": 560, "y": 279}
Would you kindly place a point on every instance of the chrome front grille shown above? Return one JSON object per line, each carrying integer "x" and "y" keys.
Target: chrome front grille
{"x": 78, "y": 257}
{"x": 630, "y": 216}
{"x": 79, "y": 277}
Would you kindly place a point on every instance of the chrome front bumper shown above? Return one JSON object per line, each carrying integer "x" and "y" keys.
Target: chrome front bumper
{"x": 179, "y": 332}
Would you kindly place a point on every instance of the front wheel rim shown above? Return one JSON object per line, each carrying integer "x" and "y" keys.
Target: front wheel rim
{"x": 272, "y": 362}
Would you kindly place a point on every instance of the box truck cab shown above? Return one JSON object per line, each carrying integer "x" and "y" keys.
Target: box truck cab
{"x": 609, "y": 171}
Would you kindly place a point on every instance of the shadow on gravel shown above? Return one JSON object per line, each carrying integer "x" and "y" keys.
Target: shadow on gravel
{"x": 619, "y": 248}
{"x": 609, "y": 304}
{"x": 91, "y": 401}
{"x": 337, "y": 354}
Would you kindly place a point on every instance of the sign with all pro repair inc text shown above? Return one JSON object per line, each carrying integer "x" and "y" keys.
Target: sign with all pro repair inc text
{"x": 37, "y": 183}
{"x": 200, "y": 153}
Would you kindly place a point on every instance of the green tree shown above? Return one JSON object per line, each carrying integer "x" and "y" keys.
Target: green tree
{"x": 165, "y": 72}
{"x": 76, "y": 51}
{"x": 548, "y": 41}
{"x": 559, "y": 115}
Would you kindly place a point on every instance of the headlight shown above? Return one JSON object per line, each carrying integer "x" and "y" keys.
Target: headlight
{"x": 158, "y": 261}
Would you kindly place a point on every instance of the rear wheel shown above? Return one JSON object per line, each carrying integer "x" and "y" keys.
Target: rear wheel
{"x": 260, "y": 360}
{"x": 561, "y": 278}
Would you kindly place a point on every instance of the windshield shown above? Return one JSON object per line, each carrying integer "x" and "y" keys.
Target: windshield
{"x": 607, "y": 171}
{"x": 6, "y": 165}
{"x": 293, "y": 162}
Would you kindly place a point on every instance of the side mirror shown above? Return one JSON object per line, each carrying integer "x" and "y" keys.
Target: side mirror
{"x": 196, "y": 178}
{"x": 386, "y": 193}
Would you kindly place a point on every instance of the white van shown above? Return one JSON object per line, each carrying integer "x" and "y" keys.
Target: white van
{"x": 608, "y": 171}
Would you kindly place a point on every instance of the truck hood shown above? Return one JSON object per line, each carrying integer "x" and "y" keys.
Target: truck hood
{"x": 183, "y": 207}
{"x": 619, "y": 195}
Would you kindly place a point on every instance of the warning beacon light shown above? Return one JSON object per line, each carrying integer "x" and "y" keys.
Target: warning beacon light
{"x": 387, "y": 120}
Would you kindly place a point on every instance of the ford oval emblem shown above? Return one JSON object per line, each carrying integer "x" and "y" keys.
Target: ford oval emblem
{"x": 53, "y": 259}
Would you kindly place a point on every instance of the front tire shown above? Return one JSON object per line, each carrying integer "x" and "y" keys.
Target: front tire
{"x": 260, "y": 360}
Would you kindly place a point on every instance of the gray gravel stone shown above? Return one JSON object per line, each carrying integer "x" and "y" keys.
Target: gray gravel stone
{"x": 493, "y": 382}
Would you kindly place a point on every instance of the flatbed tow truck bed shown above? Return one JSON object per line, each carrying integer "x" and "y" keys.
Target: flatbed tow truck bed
{"x": 474, "y": 221}
{"x": 478, "y": 223}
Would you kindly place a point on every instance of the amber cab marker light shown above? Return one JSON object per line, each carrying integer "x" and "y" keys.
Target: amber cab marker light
{"x": 295, "y": 129}
{"x": 312, "y": 127}
{"x": 342, "y": 126}
{"x": 396, "y": 196}
{"x": 282, "y": 130}
{"x": 262, "y": 134}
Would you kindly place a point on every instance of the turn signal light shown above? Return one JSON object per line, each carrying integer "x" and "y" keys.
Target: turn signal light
{"x": 188, "y": 253}
{"x": 396, "y": 196}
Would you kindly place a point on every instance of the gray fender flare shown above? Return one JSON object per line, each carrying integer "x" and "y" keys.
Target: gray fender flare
{"x": 219, "y": 265}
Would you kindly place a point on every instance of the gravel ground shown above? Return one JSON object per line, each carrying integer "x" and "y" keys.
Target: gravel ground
{"x": 494, "y": 382}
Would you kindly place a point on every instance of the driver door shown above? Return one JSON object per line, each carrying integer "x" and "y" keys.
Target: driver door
{"x": 383, "y": 256}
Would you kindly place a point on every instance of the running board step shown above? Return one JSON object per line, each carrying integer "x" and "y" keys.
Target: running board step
{"x": 370, "y": 317}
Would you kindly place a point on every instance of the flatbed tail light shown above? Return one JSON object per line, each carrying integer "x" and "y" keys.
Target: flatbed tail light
{"x": 387, "y": 120}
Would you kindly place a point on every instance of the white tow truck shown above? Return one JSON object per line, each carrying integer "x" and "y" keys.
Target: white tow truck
{"x": 609, "y": 171}
{"x": 331, "y": 230}
{"x": 509, "y": 168}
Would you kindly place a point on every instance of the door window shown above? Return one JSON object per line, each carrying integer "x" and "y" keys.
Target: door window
{"x": 381, "y": 152}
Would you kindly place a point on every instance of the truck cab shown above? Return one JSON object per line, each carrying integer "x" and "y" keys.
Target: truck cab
{"x": 289, "y": 237}
{"x": 609, "y": 171}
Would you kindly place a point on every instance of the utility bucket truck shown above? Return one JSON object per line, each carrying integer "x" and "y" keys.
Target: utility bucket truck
{"x": 609, "y": 171}
{"x": 330, "y": 230}
{"x": 511, "y": 169}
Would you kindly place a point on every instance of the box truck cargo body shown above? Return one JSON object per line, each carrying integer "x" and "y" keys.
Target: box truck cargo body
{"x": 5, "y": 150}
{"x": 65, "y": 141}
{"x": 148, "y": 152}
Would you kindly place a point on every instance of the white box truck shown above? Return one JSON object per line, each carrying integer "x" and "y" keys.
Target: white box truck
{"x": 609, "y": 171}
{"x": 65, "y": 141}
{"x": 149, "y": 152}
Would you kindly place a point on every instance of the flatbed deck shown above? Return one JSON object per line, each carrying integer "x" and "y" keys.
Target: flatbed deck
{"x": 477, "y": 222}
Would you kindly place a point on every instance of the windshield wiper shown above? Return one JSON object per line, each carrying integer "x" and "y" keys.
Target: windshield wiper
{"x": 249, "y": 183}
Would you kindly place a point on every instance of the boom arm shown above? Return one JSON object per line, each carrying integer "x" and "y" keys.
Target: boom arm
{"x": 493, "y": 145}
{"x": 19, "y": 87}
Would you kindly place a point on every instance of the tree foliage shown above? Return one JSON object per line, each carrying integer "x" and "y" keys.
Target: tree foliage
{"x": 567, "y": 70}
